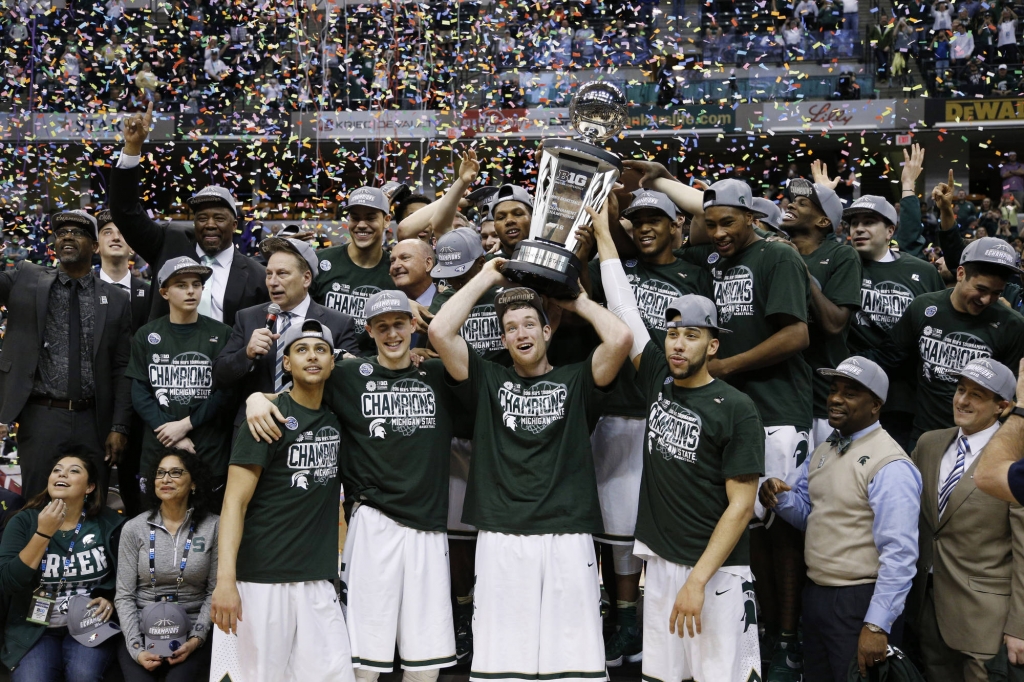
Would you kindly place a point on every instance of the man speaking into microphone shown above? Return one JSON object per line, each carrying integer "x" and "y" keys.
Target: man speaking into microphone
{"x": 251, "y": 361}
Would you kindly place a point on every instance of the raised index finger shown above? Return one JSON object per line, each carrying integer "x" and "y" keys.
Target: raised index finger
{"x": 950, "y": 183}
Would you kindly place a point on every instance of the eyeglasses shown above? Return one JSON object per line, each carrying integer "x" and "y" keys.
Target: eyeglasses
{"x": 75, "y": 232}
{"x": 173, "y": 473}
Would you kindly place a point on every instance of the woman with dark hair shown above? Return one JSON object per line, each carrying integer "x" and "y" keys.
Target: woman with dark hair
{"x": 61, "y": 544}
{"x": 169, "y": 554}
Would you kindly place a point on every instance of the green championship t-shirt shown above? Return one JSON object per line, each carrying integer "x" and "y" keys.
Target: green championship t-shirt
{"x": 654, "y": 286}
{"x": 836, "y": 268}
{"x": 344, "y": 286}
{"x": 696, "y": 439}
{"x": 481, "y": 329}
{"x": 886, "y": 291}
{"x": 291, "y": 524}
{"x": 764, "y": 280}
{"x": 944, "y": 340}
{"x": 532, "y": 470}
{"x": 398, "y": 427}
{"x": 176, "y": 360}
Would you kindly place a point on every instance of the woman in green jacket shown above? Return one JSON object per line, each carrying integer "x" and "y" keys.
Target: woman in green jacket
{"x": 61, "y": 544}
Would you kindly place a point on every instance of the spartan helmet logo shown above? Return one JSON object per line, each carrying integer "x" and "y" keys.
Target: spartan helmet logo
{"x": 377, "y": 429}
{"x": 300, "y": 479}
{"x": 161, "y": 397}
{"x": 863, "y": 460}
{"x": 510, "y": 421}
{"x": 749, "y": 609}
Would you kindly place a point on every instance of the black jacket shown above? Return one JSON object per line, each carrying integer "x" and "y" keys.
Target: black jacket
{"x": 139, "y": 293}
{"x": 247, "y": 281}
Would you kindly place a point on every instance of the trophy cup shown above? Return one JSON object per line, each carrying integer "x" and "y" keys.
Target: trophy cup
{"x": 571, "y": 174}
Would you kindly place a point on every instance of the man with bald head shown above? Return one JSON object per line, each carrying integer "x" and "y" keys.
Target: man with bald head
{"x": 411, "y": 263}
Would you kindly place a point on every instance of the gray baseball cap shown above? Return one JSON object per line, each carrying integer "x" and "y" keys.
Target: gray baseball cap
{"x": 992, "y": 375}
{"x": 455, "y": 253}
{"x": 508, "y": 297}
{"x": 872, "y": 203}
{"x": 368, "y": 196}
{"x": 993, "y": 251}
{"x": 865, "y": 372}
{"x": 649, "y": 199}
{"x": 387, "y": 301}
{"x": 735, "y": 193}
{"x": 823, "y": 197}
{"x": 273, "y": 244}
{"x": 165, "y": 627}
{"x": 694, "y": 311}
{"x": 183, "y": 265}
{"x": 768, "y": 211}
{"x": 511, "y": 193}
{"x": 87, "y": 626}
{"x": 214, "y": 195}
{"x": 306, "y": 329}
{"x": 76, "y": 217}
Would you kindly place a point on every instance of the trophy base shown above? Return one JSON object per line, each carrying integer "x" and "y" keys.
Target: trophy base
{"x": 546, "y": 268}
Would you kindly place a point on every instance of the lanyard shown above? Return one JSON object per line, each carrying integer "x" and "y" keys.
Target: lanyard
{"x": 184, "y": 557}
{"x": 67, "y": 558}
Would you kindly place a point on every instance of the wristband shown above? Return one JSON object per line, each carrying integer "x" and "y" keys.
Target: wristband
{"x": 48, "y": 537}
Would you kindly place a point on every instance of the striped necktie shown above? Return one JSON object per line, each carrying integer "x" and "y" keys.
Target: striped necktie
{"x": 285, "y": 322}
{"x": 206, "y": 302}
{"x": 962, "y": 450}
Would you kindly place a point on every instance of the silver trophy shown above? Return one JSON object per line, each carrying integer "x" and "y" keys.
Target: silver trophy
{"x": 571, "y": 174}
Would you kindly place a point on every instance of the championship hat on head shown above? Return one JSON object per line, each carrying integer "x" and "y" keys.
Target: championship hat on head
{"x": 103, "y": 216}
{"x": 85, "y": 625}
{"x": 994, "y": 251}
{"x": 872, "y": 203}
{"x": 182, "y": 266}
{"x": 823, "y": 197}
{"x": 734, "y": 193}
{"x": 214, "y": 195}
{"x": 865, "y": 372}
{"x": 511, "y": 193}
{"x": 769, "y": 211}
{"x": 165, "y": 626}
{"x": 77, "y": 218}
{"x": 387, "y": 301}
{"x": 989, "y": 374}
{"x": 649, "y": 199}
{"x": 509, "y": 297}
{"x": 482, "y": 196}
{"x": 370, "y": 197}
{"x": 300, "y": 248}
{"x": 309, "y": 329}
{"x": 693, "y": 310}
{"x": 455, "y": 253}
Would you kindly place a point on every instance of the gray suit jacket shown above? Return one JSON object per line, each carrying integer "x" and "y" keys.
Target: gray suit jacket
{"x": 977, "y": 551}
{"x": 25, "y": 291}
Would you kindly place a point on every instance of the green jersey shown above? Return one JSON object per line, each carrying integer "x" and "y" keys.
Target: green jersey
{"x": 398, "y": 427}
{"x": 752, "y": 288}
{"x": 481, "y": 329}
{"x": 944, "y": 340}
{"x": 696, "y": 439}
{"x": 886, "y": 291}
{"x": 291, "y": 524}
{"x": 654, "y": 286}
{"x": 532, "y": 470}
{"x": 344, "y": 286}
{"x": 176, "y": 362}
{"x": 836, "y": 269}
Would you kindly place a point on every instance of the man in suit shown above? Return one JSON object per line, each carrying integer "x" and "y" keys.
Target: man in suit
{"x": 64, "y": 357}
{"x": 252, "y": 360}
{"x": 238, "y": 281}
{"x": 968, "y": 597}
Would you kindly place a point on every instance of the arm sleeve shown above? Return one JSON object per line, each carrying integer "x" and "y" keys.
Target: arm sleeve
{"x": 903, "y": 339}
{"x": 208, "y": 410}
{"x": 121, "y": 383}
{"x": 232, "y": 364}
{"x": 795, "y": 506}
{"x": 622, "y": 302}
{"x": 952, "y": 244}
{"x": 127, "y": 582}
{"x": 127, "y": 161}
{"x": 1015, "y": 619}
{"x": 15, "y": 576}
{"x": 843, "y": 286}
{"x": 147, "y": 406}
{"x": 895, "y": 497}
{"x": 911, "y": 228}
{"x": 788, "y": 294}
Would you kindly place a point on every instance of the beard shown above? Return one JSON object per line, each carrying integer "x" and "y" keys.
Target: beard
{"x": 692, "y": 367}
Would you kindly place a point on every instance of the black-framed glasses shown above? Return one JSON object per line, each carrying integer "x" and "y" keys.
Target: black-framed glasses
{"x": 173, "y": 473}
{"x": 75, "y": 232}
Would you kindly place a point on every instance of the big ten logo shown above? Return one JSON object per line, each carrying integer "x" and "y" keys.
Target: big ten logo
{"x": 570, "y": 178}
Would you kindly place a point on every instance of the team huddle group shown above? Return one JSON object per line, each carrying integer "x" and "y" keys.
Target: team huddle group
{"x": 731, "y": 412}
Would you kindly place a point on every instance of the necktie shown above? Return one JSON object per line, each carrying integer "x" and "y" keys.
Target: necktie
{"x": 286, "y": 321}
{"x": 206, "y": 302}
{"x": 962, "y": 450}
{"x": 839, "y": 441}
{"x": 74, "y": 345}
{"x": 121, "y": 286}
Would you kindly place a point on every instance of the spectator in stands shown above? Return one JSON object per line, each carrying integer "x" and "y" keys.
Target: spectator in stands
{"x": 1007, "y": 42}
{"x": 851, "y": 18}
{"x": 961, "y": 46}
{"x": 902, "y": 49}
{"x": 180, "y": 519}
{"x": 829, "y": 21}
{"x": 585, "y": 43}
{"x": 985, "y": 39}
{"x": 965, "y": 210}
{"x": 793, "y": 36}
{"x": 880, "y": 41}
{"x": 147, "y": 82}
{"x": 1009, "y": 208}
{"x": 940, "y": 50}
{"x": 807, "y": 12}
{"x": 1005, "y": 231}
{"x": 942, "y": 17}
{"x": 988, "y": 217}
{"x": 1012, "y": 173}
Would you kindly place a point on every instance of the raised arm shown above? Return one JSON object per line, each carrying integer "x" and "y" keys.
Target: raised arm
{"x": 226, "y": 609}
{"x": 444, "y": 328}
{"x": 657, "y": 177}
{"x": 789, "y": 340}
{"x": 616, "y": 339}
{"x": 439, "y": 216}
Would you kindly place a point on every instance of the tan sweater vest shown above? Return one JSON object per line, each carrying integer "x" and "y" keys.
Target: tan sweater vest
{"x": 840, "y": 547}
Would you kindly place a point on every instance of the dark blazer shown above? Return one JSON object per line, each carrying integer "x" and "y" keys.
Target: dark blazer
{"x": 233, "y": 369}
{"x": 139, "y": 293}
{"x": 247, "y": 281}
{"x": 25, "y": 291}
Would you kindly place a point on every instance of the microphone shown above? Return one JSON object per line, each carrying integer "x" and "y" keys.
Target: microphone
{"x": 273, "y": 310}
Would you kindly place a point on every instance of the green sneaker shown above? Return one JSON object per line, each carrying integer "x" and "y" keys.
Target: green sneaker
{"x": 626, "y": 645}
{"x": 787, "y": 664}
